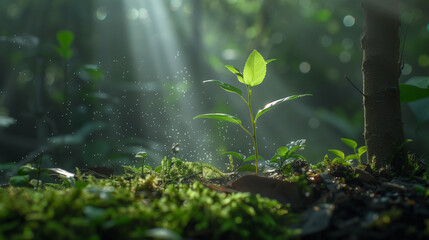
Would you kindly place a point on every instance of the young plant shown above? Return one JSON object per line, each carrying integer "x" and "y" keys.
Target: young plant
{"x": 347, "y": 160}
{"x": 242, "y": 167}
{"x": 23, "y": 176}
{"x": 287, "y": 154}
{"x": 253, "y": 74}
{"x": 143, "y": 156}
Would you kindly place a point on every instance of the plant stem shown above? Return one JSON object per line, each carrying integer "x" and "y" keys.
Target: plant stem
{"x": 249, "y": 94}
{"x": 38, "y": 171}
{"x": 143, "y": 168}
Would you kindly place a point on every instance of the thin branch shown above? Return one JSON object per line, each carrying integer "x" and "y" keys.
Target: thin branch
{"x": 401, "y": 59}
{"x": 348, "y": 79}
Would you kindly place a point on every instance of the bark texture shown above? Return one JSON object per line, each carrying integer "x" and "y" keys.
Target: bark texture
{"x": 381, "y": 70}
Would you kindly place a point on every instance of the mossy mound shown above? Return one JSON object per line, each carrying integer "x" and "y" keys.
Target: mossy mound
{"x": 118, "y": 208}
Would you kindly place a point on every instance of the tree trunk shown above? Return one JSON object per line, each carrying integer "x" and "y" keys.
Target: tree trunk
{"x": 381, "y": 70}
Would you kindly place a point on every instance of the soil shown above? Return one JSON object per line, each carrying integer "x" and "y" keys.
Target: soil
{"x": 348, "y": 203}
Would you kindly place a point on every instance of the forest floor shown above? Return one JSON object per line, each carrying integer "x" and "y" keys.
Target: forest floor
{"x": 349, "y": 203}
{"x": 328, "y": 201}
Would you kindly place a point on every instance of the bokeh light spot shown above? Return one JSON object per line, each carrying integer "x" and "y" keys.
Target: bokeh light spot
{"x": 101, "y": 13}
{"x": 345, "y": 56}
{"x": 133, "y": 14}
{"x": 323, "y": 15}
{"x": 407, "y": 69}
{"x": 13, "y": 10}
{"x": 424, "y": 60}
{"x": 349, "y": 21}
{"x": 251, "y": 32}
{"x": 304, "y": 67}
{"x": 347, "y": 43}
{"x": 304, "y": 3}
{"x": 175, "y": 4}
{"x": 326, "y": 40}
{"x": 143, "y": 14}
{"x": 277, "y": 37}
{"x": 313, "y": 123}
{"x": 333, "y": 27}
{"x": 229, "y": 54}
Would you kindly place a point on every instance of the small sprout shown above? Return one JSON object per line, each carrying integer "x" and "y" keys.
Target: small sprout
{"x": 347, "y": 160}
{"x": 286, "y": 155}
{"x": 175, "y": 149}
{"x": 143, "y": 156}
{"x": 253, "y": 74}
{"x": 65, "y": 39}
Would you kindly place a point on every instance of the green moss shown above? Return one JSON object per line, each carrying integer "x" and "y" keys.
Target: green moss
{"x": 127, "y": 209}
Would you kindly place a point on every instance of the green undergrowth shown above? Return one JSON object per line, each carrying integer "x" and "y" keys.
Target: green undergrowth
{"x": 123, "y": 208}
{"x": 174, "y": 169}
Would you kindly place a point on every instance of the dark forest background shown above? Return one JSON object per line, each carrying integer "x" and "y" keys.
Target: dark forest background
{"x": 134, "y": 79}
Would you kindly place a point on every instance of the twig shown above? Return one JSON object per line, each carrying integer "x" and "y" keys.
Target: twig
{"x": 348, "y": 79}
{"x": 38, "y": 171}
{"x": 401, "y": 60}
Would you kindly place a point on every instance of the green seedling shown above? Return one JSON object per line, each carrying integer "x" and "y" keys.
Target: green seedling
{"x": 143, "y": 156}
{"x": 253, "y": 74}
{"x": 65, "y": 39}
{"x": 347, "y": 160}
{"x": 287, "y": 154}
{"x": 242, "y": 167}
{"x": 23, "y": 176}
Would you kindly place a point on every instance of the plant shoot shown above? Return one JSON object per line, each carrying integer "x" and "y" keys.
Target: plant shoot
{"x": 253, "y": 74}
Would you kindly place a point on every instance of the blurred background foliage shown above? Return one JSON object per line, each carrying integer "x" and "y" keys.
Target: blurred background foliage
{"x": 133, "y": 79}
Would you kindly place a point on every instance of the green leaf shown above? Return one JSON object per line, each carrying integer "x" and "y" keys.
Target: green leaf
{"x": 254, "y": 69}
{"x": 158, "y": 169}
{"x": 275, "y": 103}
{"x": 247, "y": 168}
{"x": 220, "y": 116}
{"x": 26, "y": 169}
{"x": 19, "y": 180}
{"x": 350, "y": 143}
{"x": 269, "y": 60}
{"x": 414, "y": 89}
{"x": 225, "y": 86}
{"x": 65, "y": 38}
{"x": 162, "y": 233}
{"x": 233, "y": 69}
{"x": 250, "y": 158}
{"x": 337, "y": 152}
{"x": 296, "y": 148}
{"x": 282, "y": 151}
{"x": 61, "y": 173}
{"x": 64, "y": 52}
{"x": 236, "y": 72}
{"x": 298, "y": 156}
{"x": 362, "y": 150}
{"x": 420, "y": 109}
{"x": 6, "y": 121}
{"x": 275, "y": 158}
{"x": 352, "y": 156}
{"x": 235, "y": 154}
{"x": 94, "y": 71}
{"x": 141, "y": 155}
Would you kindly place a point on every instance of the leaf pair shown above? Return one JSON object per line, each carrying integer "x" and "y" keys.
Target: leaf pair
{"x": 65, "y": 39}
{"x": 236, "y": 120}
{"x": 346, "y": 160}
{"x": 287, "y": 154}
{"x": 254, "y": 70}
{"x": 243, "y": 159}
{"x": 414, "y": 89}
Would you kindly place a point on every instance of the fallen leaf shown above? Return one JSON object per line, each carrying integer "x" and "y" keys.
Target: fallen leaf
{"x": 282, "y": 191}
